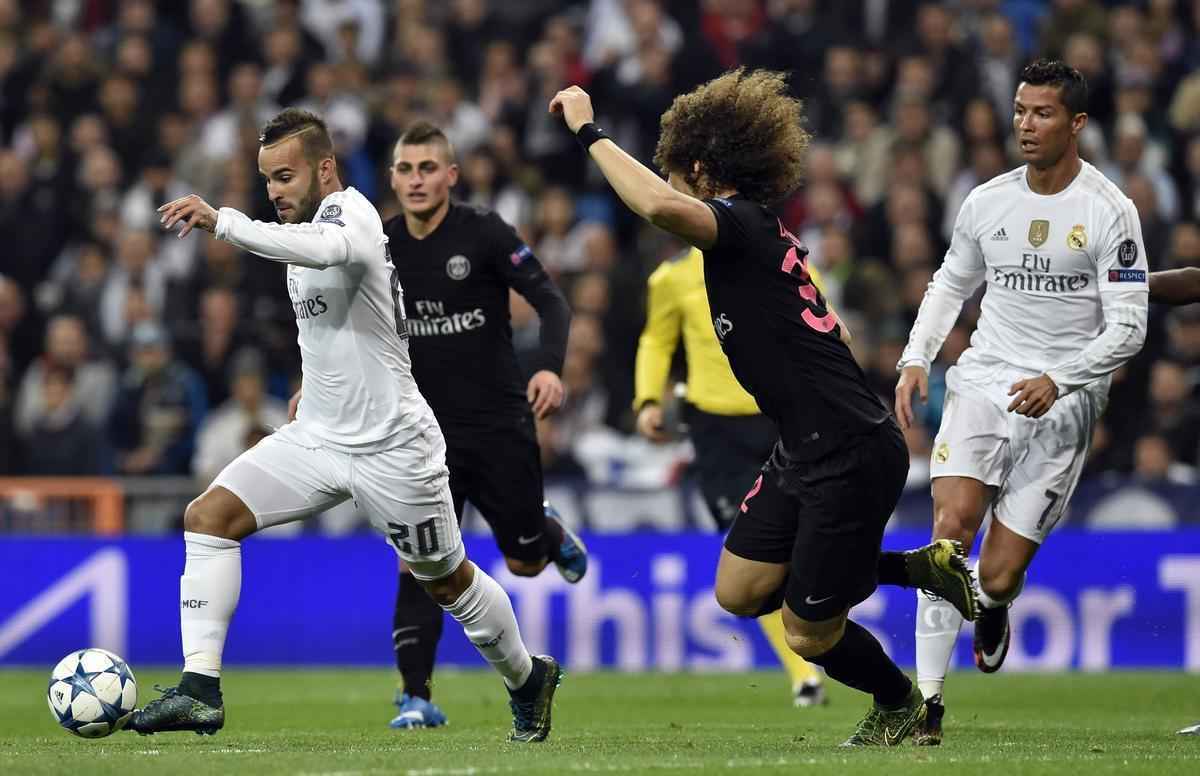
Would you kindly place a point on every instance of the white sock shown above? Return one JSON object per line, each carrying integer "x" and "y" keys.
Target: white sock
{"x": 208, "y": 594}
{"x": 487, "y": 616}
{"x": 937, "y": 630}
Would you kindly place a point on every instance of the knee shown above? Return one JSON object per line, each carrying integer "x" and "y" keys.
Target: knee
{"x": 1001, "y": 584}
{"x": 523, "y": 568}
{"x": 205, "y": 517}
{"x": 739, "y": 602}
{"x": 955, "y": 520}
{"x": 448, "y": 589}
{"x": 809, "y": 642}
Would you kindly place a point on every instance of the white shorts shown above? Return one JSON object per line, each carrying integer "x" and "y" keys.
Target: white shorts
{"x": 404, "y": 491}
{"x": 1035, "y": 463}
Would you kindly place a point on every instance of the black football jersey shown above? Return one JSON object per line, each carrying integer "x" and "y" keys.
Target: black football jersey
{"x": 456, "y": 285}
{"x": 781, "y": 339}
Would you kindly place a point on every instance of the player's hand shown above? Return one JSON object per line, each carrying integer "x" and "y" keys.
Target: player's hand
{"x": 545, "y": 394}
{"x": 1034, "y": 397}
{"x": 575, "y": 106}
{"x": 650, "y": 423}
{"x": 294, "y": 404}
{"x": 911, "y": 378}
{"x": 192, "y": 211}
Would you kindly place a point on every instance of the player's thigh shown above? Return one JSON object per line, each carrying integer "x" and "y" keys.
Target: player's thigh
{"x": 405, "y": 492}
{"x": 845, "y": 502}
{"x": 754, "y": 560}
{"x": 959, "y": 507}
{"x": 508, "y": 491}
{"x": 973, "y": 439}
{"x": 1034, "y": 497}
{"x": 287, "y": 476}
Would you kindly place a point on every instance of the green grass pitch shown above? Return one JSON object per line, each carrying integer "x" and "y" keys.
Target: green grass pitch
{"x": 334, "y": 722}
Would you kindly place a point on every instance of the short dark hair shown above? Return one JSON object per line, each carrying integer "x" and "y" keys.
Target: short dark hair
{"x": 292, "y": 122}
{"x": 427, "y": 133}
{"x": 1072, "y": 86}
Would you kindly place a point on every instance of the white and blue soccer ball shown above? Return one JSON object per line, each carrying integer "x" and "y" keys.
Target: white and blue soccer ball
{"x": 92, "y": 693}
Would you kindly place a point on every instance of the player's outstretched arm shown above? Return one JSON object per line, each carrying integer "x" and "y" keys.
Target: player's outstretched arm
{"x": 316, "y": 245}
{"x": 1175, "y": 286}
{"x": 638, "y": 186}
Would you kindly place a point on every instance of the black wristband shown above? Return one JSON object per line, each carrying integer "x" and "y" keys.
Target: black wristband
{"x": 589, "y": 133}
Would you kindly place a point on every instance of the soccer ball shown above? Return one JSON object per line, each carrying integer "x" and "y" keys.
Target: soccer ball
{"x": 92, "y": 693}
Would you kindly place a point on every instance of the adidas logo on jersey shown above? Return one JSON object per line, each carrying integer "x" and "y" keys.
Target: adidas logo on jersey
{"x": 1000, "y": 235}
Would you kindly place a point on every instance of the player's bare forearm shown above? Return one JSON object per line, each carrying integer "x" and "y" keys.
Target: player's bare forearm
{"x": 638, "y": 186}
{"x": 652, "y": 198}
{"x": 1175, "y": 286}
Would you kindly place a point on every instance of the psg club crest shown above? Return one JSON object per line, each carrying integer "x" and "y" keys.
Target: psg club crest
{"x": 1039, "y": 230}
{"x": 458, "y": 267}
{"x": 1077, "y": 239}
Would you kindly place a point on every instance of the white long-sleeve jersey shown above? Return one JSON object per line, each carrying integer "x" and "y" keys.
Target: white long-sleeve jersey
{"x": 359, "y": 393}
{"x": 1066, "y": 276}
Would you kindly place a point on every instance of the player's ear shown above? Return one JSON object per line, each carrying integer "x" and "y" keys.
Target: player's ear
{"x": 1078, "y": 122}
{"x": 452, "y": 175}
{"x": 326, "y": 170}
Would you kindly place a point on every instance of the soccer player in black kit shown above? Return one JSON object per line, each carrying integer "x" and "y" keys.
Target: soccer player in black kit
{"x": 809, "y": 531}
{"x": 456, "y": 264}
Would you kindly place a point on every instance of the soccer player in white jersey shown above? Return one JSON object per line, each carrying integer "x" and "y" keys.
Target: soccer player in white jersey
{"x": 361, "y": 431}
{"x": 1060, "y": 250}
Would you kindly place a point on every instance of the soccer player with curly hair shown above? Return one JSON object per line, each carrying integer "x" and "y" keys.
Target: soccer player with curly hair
{"x": 808, "y": 533}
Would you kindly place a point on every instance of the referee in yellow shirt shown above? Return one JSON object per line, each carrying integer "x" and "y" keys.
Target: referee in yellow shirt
{"x": 731, "y": 436}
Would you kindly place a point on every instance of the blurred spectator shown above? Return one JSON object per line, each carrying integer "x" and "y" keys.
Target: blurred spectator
{"x": 30, "y": 219}
{"x": 1153, "y": 462}
{"x": 156, "y": 185}
{"x": 1068, "y": 17}
{"x": 248, "y": 110}
{"x": 1135, "y": 154}
{"x": 1184, "y": 246}
{"x": 558, "y": 244}
{"x": 227, "y": 429}
{"x": 135, "y": 270}
{"x": 350, "y": 29}
{"x": 864, "y": 152}
{"x": 62, "y": 440}
{"x": 485, "y": 185}
{"x": 1174, "y": 413}
{"x": 158, "y": 409}
{"x": 18, "y": 343}
{"x": 999, "y": 63}
{"x": 208, "y": 348}
{"x": 93, "y": 382}
{"x": 285, "y": 65}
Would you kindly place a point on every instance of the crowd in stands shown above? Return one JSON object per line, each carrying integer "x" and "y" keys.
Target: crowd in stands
{"x": 126, "y": 351}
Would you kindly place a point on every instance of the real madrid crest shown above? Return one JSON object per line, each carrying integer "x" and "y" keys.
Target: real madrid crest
{"x": 942, "y": 454}
{"x": 1039, "y": 230}
{"x": 1077, "y": 239}
{"x": 458, "y": 267}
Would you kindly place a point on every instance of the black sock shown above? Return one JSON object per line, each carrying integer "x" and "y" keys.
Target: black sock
{"x": 892, "y": 569}
{"x": 858, "y": 661}
{"x": 416, "y": 630}
{"x": 206, "y": 689}
{"x": 533, "y": 684}
{"x": 552, "y": 538}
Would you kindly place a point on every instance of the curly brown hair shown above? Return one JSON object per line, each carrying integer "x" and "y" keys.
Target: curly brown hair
{"x": 744, "y": 129}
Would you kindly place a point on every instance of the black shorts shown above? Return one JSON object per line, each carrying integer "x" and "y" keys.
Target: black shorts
{"x": 826, "y": 519}
{"x": 499, "y": 470}
{"x": 730, "y": 450}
